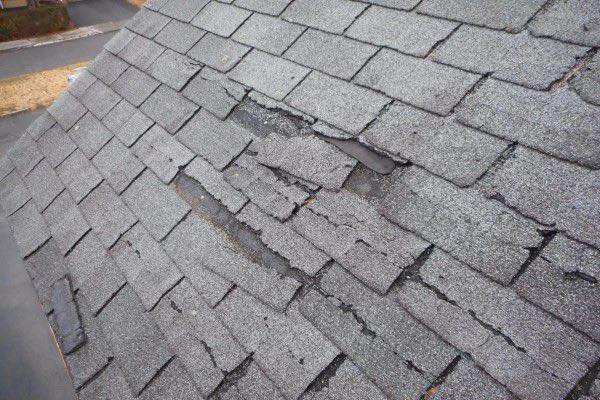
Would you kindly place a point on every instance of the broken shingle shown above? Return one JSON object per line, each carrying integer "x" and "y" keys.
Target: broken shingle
{"x": 70, "y": 334}
{"x": 46, "y": 266}
{"x": 173, "y": 69}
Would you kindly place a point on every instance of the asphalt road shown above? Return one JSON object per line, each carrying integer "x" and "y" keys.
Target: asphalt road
{"x": 92, "y": 12}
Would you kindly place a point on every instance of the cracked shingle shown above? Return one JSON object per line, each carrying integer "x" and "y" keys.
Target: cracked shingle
{"x": 217, "y": 52}
{"x": 173, "y": 69}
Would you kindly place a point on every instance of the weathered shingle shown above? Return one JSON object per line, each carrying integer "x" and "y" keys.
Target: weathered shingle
{"x": 221, "y": 19}
{"x": 173, "y": 69}
{"x": 328, "y": 15}
{"x": 217, "y": 52}
{"x": 118, "y": 165}
{"x": 168, "y": 108}
{"x": 269, "y": 34}
{"x": 135, "y": 86}
{"x": 179, "y": 36}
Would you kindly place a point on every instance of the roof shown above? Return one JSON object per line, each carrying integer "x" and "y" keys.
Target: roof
{"x": 323, "y": 199}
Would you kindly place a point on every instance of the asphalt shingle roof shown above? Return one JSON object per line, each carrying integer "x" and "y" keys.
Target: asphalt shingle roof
{"x": 325, "y": 199}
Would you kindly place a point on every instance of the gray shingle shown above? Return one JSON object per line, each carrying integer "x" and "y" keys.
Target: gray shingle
{"x": 510, "y": 15}
{"x": 83, "y": 81}
{"x": 332, "y": 54}
{"x": 13, "y": 193}
{"x": 440, "y": 145}
{"x": 422, "y": 83}
{"x": 478, "y": 231}
{"x": 94, "y": 355}
{"x": 378, "y": 360}
{"x": 398, "y": 4}
{"x": 337, "y": 102}
{"x": 162, "y": 153}
{"x": 118, "y": 165}
{"x": 552, "y": 345}
{"x": 215, "y": 184}
{"x": 135, "y": 127}
{"x": 100, "y": 99}
{"x": 521, "y": 59}
{"x": 573, "y": 21}
{"x": 148, "y": 269}
{"x": 273, "y": 7}
{"x": 110, "y": 384}
{"x": 157, "y": 206}
{"x": 308, "y": 158}
{"x": 217, "y": 141}
{"x": 284, "y": 345}
{"x": 28, "y": 228}
{"x": 328, "y": 15}
{"x": 407, "y": 32}
{"x": 134, "y": 338}
{"x": 221, "y": 19}
{"x": 254, "y": 385}
{"x": 66, "y": 223}
{"x": 147, "y": 23}
{"x": 587, "y": 83}
{"x": 67, "y": 110}
{"x": 94, "y": 272}
{"x": 536, "y": 119}
{"x": 120, "y": 114}
{"x": 198, "y": 338}
{"x": 79, "y": 175}
{"x": 215, "y": 92}
{"x": 179, "y": 36}
{"x": 469, "y": 382}
{"x": 6, "y": 166}
{"x": 68, "y": 327}
{"x": 56, "y": 145}
{"x": 135, "y": 86}
{"x": 173, "y": 69}
{"x": 24, "y": 154}
{"x": 44, "y": 122}
{"x": 141, "y": 52}
{"x": 552, "y": 282}
{"x": 119, "y": 41}
{"x": 268, "y": 74}
{"x": 43, "y": 184}
{"x": 107, "y": 214}
{"x": 351, "y": 231}
{"x": 410, "y": 339}
{"x": 217, "y": 52}
{"x": 280, "y": 238}
{"x": 534, "y": 184}
{"x": 184, "y": 10}
{"x": 511, "y": 367}
{"x": 168, "y": 108}
{"x": 181, "y": 246}
{"x": 90, "y": 135}
{"x": 172, "y": 383}
{"x": 45, "y": 267}
{"x": 106, "y": 67}
{"x": 269, "y": 34}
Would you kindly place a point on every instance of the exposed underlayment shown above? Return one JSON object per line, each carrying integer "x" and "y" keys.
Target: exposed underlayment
{"x": 323, "y": 199}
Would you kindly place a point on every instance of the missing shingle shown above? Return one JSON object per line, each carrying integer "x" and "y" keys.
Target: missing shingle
{"x": 322, "y": 380}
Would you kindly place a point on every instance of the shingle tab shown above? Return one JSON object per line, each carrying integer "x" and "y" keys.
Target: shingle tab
{"x": 107, "y": 67}
{"x": 135, "y": 127}
{"x": 13, "y": 193}
{"x": 118, "y": 165}
{"x": 110, "y": 384}
{"x": 173, "y": 69}
{"x": 25, "y": 154}
{"x": 273, "y": 7}
{"x": 94, "y": 272}
{"x": 478, "y": 231}
{"x": 422, "y": 83}
{"x": 147, "y": 23}
{"x": 522, "y": 59}
{"x": 134, "y": 338}
{"x": 179, "y": 36}
{"x": 100, "y": 99}
{"x": 536, "y": 119}
{"x": 117, "y": 117}
{"x": 67, "y": 110}
{"x": 79, "y": 175}
{"x": 44, "y": 122}
{"x": 308, "y": 158}
{"x": 217, "y": 52}
{"x": 157, "y": 206}
{"x": 172, "y": 382}
{"x": 407, "y": 32}
{"x": 56, "y": 145}
{"x": 66, "y": 223}
{"x": 183, "y": 10}
{"x": 141, "y": 52}
{"x": 90, "y": 135}
{"x": 46, "y": 266}
{"x": 217, "y": 141}
{"x": 135, "y": 86}
{"x": 440, "y": 145}
{"x": 28, "y": 228}
{"x": 510, "y": 15}
{"x": 119, "y": 41}
{"x": 332, "y": 54}
{"x": 221, "y": 19}
{"x": 107, "y": 214}
{"x": 43, "y": 184}
{"x": 83, "y": 81}
{"x": 268, "y": 74}
{"x": 571, "y": 21}
{"x": 168, "y": 108}
{"x": 269, "y": 34}
{"x": 148, "y": 269}
{"x": 327, "y": 15}
{"x": 162, "y": 153}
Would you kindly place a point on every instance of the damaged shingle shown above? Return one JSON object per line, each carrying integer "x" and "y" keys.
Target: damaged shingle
{"x": 70, "y": 333}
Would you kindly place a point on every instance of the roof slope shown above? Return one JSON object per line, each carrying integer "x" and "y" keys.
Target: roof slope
{"x": 323, "y": 199}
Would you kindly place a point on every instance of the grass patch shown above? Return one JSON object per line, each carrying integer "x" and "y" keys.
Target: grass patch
{"x": 31, "y": 91}
{"x": 20, "y": 23}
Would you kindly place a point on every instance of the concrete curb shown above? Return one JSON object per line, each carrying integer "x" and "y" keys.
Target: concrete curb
{"x": 64, "y": 36}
